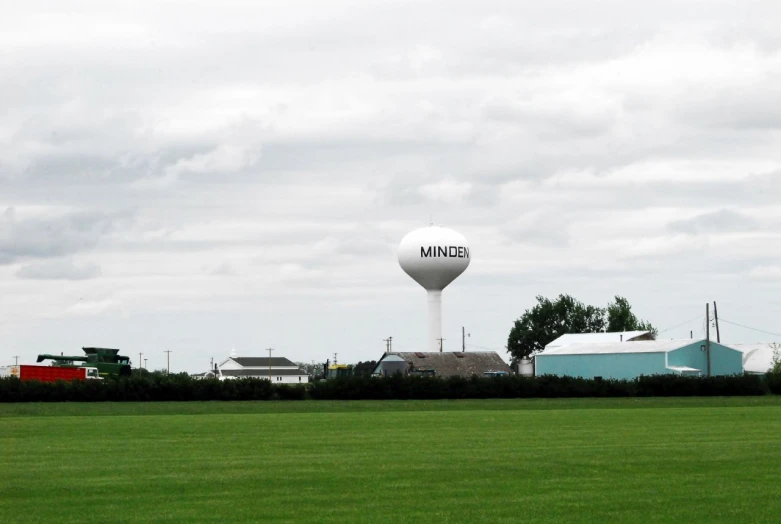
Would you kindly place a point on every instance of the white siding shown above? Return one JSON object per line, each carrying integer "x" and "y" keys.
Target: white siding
{"x": 285, "y": 379}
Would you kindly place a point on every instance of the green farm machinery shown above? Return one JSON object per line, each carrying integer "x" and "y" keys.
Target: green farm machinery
{"x": 107, "y": 360}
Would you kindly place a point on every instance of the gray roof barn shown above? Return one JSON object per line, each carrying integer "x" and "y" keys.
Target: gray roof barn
{"x": 445, "y": 364}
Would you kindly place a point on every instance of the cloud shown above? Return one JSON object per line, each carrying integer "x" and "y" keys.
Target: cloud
{"x": 91, "y": 308}
{"x": 220, "y": 161}
{"x": 58, "y": 270}
{"x": 447, "y": 190}
{"x": 53, "y": 234}
{"x": 766, "y": 273}
{"x": 224, "y": 269}
{"x": 721, "y": 221}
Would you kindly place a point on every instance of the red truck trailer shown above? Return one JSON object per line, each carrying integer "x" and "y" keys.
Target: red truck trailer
{"x": 50, "y": 373}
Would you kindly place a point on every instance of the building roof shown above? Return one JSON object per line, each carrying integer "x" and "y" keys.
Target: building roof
{"x": 640, "y": 346}
{"x": 758, "y": 357}
{"x": 259, "y": 362}
{"x": 597, "y": 338}
{"x": 261, "y": 372}
{"x": 447, "y": 364}
{"x": 684, "y": 369}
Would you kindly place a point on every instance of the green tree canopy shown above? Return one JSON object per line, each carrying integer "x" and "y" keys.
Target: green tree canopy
{"x": 364, "y": 368}
{"x": 621, "y": 318}
{"x": 550, "y": 319}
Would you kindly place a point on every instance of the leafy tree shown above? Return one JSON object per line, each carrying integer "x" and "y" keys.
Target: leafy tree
{"x": 364, "y": 368}
{"x": 775, "y": 363}
{"x": 548, "y": 320}
{"x": 773, "y": 376}
{"x": 621, "y": 318}
{"x": 313, "y": 369}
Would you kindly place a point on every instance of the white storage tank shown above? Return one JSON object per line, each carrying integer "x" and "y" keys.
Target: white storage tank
{"x": 526, "y": 367}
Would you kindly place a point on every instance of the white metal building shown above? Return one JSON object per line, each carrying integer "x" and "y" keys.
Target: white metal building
{"x": 758, "y": 357}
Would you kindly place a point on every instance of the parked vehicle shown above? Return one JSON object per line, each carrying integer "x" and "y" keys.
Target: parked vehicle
{"x": 50, "y": 373}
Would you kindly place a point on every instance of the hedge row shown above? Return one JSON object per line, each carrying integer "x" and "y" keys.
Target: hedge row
{"x": 414, "y": 387}
{"x": 398, "y": 387}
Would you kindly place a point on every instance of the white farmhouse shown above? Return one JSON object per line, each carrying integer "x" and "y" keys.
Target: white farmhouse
{"x": 280, "y": 369}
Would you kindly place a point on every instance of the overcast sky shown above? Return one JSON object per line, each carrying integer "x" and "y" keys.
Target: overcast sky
{"x": 200, "y": 176}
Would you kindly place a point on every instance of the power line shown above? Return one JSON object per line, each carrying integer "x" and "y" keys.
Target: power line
{"x": 683, "y": 324}
{"x": 751, "y": 328}
{"x": 482, "y": 347}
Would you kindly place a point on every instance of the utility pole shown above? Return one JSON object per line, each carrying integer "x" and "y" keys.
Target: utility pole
{"x": 145, "y": 363}
{"x": 440, "y": 344}
{"x": 139, "y": 360}
{"x": 168, "y": 361}
{"x": 707, "y": 335}
{"x": 464, "y": 334}
{"x": 716, "y": 317}
{"x": 16, "y": 358}
{"x": 269, "y": 364}
{"x": 388, "y": 342}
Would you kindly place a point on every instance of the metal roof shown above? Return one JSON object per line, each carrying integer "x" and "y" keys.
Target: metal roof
{"x": 595, "y": 338}
{"x": 640, "y": 346}
{"x": 259, "y": 362}
{"x": 758, "y": 357}
{"x": 450, "y": 363}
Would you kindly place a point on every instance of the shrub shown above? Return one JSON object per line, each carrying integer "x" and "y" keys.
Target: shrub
{"x": 773, "y": 377}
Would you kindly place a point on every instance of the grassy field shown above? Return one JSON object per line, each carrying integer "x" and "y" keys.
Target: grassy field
{"x": 592, "y": 460}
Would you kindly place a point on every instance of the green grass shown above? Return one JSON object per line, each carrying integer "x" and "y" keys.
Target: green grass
{"x": 589, "y": 460}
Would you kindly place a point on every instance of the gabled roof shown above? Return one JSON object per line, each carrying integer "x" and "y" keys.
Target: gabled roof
{"x": 259, "y": 362}
{"x": 758, "y": 357}
{"x": 262, "y": 373}
{"x": 448, "y": 364}
{"x": 599, "y": 338}
{"x": 641, "y": 346}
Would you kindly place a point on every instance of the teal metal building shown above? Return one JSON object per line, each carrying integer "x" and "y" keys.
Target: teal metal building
{"x": 628, "y": 360}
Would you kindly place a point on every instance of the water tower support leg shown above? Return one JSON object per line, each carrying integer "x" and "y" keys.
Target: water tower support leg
{"x": 434, "y": 320}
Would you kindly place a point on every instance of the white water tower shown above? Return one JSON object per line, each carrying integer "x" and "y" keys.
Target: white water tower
{"x": 434, "y": 256}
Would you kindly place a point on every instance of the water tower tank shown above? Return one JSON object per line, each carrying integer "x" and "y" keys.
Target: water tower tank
{"x": 434, "y": 256}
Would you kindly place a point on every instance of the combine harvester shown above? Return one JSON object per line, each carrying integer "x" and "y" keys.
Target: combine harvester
{"x": 107, "y": 361}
